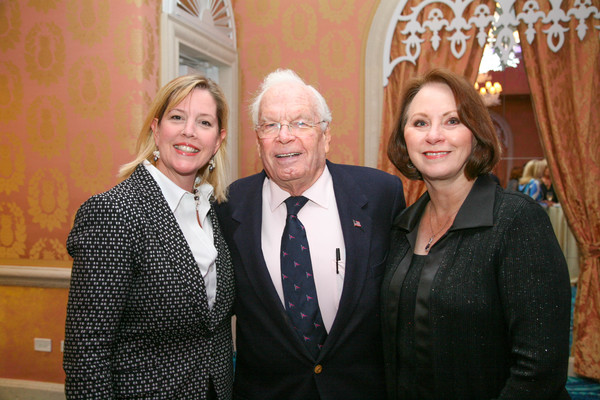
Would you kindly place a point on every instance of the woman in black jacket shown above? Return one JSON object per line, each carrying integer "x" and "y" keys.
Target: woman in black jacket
{"x": 476, "y": 295}
{"x": 152, "y": 286}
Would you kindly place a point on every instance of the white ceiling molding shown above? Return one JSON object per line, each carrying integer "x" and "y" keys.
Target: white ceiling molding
{"x": 483, "y": 19}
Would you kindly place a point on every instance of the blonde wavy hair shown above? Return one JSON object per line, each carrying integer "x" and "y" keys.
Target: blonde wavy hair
{"x": 166, "y": 99}
{"x": 528, "y": 172}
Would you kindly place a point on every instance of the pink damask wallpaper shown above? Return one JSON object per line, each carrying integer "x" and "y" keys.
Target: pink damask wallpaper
{"x": 323, "y": 41}
{"x": 77, "y": 75}
{"x": 76, "y": 78}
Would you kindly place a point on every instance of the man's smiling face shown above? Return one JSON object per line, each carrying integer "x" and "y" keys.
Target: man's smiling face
{"x": 294, "y": 163}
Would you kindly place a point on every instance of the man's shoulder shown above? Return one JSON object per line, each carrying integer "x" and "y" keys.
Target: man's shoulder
{"x": 247, "y": 183}
{"x": 362, "y": 173}
{"x": 244, "y": 191}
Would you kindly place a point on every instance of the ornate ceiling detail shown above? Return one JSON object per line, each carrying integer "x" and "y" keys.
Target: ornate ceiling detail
{"x": 503, "y": 24}
{"x": 213, "y": 16}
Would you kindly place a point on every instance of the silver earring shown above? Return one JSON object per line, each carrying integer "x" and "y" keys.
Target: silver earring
{"x": 156, "y": 154}
{"x": 211, "y": 165}
{"x": 410, "y": 165}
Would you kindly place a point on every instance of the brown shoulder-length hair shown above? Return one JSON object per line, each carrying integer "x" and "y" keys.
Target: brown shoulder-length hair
{"x": 471, "y": 112}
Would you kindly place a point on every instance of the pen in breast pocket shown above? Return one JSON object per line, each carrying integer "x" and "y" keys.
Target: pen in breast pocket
{"x": 337, "y": 260}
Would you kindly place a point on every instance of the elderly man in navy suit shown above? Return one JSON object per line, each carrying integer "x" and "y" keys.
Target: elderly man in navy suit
{"x": 308, "y": 240}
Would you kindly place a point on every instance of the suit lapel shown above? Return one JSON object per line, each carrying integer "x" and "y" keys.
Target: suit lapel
{"x": 356, "y": 228}
{"x": 225, "y": 283}
{"x": 175, "y": 247}
{"x": 247, "y": 237}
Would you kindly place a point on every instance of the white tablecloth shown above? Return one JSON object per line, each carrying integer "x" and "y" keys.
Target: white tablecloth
{"x": 565, "y": 239}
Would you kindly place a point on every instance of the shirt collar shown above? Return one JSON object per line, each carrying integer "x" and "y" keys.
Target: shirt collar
{"x": 476, "y": 211}
{"x": 317, "y": 193}
{"x": 173, "y": 193}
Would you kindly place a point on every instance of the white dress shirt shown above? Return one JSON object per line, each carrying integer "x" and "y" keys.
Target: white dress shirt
{"x": 324, "y": 232}
{"x": 199, "y": 238}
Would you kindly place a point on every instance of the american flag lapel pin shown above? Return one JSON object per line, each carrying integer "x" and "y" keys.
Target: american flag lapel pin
{"x": 356, "y": 224}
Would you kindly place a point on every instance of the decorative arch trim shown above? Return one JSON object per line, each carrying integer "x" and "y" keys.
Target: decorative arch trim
{"x": 215, "y": 17}
{"x": 483, "y": 19}
{"x": 373, "y": 78}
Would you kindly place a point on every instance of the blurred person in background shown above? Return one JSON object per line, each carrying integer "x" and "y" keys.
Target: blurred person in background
{"x": 513, "y": 180}
{"x": 528, "y": 183}
{"x": 548, "y": 194}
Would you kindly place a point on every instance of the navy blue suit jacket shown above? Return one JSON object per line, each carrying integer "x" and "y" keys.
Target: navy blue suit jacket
{"x": 272, "y": 362}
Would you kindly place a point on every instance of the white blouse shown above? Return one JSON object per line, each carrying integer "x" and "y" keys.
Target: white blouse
{"x": 199, "y": 238}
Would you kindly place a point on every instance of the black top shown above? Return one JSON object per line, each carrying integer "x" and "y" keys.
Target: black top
{"x": 414, "y": 354}
{"x": 482, "y": 304}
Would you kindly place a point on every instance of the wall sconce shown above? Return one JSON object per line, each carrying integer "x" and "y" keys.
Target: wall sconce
{"x": 489, "y": 92}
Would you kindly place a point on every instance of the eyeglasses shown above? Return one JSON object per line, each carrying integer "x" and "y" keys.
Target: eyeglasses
{"x": 269, "y": 130}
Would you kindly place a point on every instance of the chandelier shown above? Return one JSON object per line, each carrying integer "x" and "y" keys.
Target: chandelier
{"x": 489, "y": 92}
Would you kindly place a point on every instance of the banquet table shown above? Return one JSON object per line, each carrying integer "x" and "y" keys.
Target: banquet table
{"x": 565, "y": 237}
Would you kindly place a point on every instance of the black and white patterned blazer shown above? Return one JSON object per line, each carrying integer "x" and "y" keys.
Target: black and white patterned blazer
{"x": 138, "y": 323}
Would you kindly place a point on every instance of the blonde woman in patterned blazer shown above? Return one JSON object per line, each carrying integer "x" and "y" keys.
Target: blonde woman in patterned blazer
{"x": 152, "y": 283}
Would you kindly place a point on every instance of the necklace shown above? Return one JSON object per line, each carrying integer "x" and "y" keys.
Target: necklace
{"x": 430, "y": 241}
{"x": 197, "y": 199}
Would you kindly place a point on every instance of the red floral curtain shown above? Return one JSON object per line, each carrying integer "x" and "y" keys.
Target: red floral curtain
{"x": 564, "y": 89}
{"x": 467, "y": 65}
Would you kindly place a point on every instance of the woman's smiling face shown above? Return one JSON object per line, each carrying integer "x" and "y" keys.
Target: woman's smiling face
{"x": 438, "y": 143}
{"x": 187, "y": 137}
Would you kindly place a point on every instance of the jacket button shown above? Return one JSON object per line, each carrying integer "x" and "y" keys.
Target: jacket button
{"x": 318, "y": 369}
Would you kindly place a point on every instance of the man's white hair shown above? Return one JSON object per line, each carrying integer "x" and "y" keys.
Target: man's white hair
{"x": 288, "y": 76}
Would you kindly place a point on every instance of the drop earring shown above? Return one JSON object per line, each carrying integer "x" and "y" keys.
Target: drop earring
{"x": 211, "y": 164}
{"x": 156, "y": 154}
